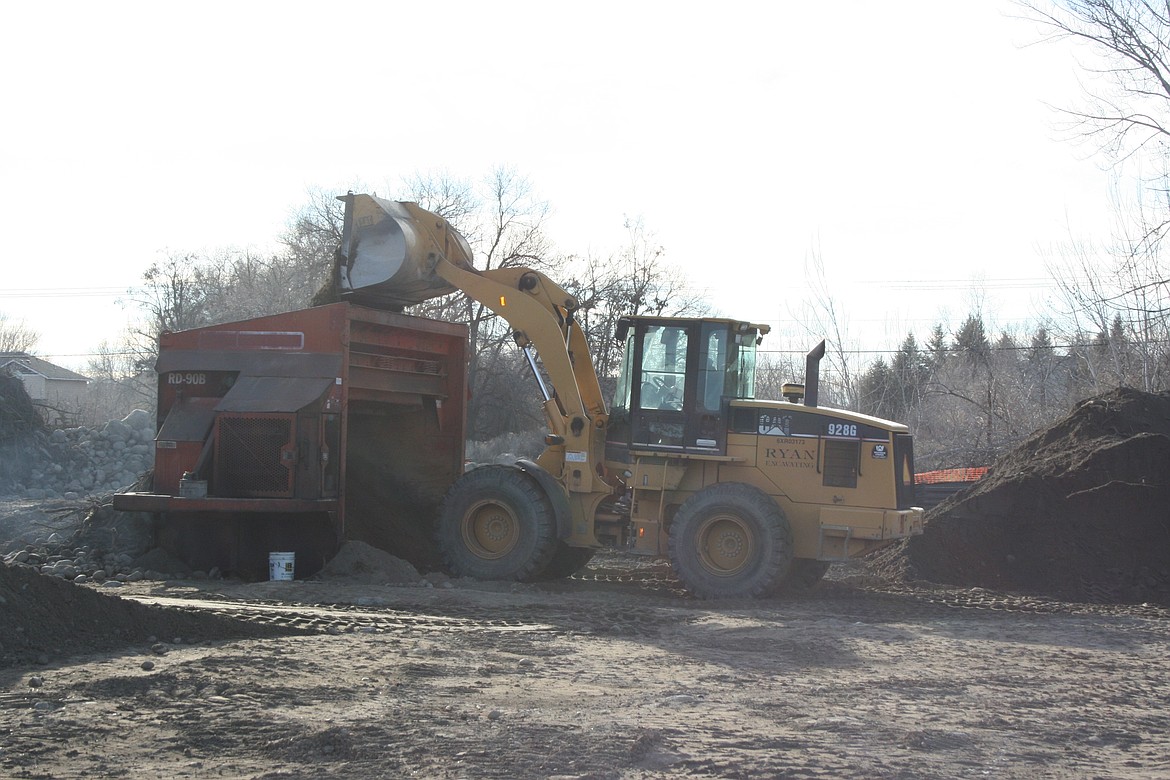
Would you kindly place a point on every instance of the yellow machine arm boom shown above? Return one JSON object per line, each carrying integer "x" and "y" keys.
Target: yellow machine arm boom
{"x": 397, "y": 253}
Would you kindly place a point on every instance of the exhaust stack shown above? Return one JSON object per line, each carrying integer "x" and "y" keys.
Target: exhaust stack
{"x": 812, "y": 373}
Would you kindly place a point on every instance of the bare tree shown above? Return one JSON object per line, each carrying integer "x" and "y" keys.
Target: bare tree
{"x": 635, "y": 280}
{"x": 175, "y": 293}
{"x": 1120, "y": 293}
{"x": 1126, "y": 114}
{"x": 1117, "y": 292}
{"x": 824, "y": 318}
{"x": 118, "y": 384}
{"x": 645, "y": 283}
{"x": 1130, "y": 110}
{"x": 310, "y": 241}
{"x": 452, "y": 198}
{"x": 508, "y": 234}
{"x": 16, "y": 335}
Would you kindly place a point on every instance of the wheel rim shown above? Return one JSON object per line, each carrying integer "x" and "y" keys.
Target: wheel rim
{"x": 726, "y": 545}
{"x": 490, "y": 530}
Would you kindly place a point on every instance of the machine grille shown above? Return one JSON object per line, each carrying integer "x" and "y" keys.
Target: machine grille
{"x": 251, "y": 456}
{"x": 841, "y": 463}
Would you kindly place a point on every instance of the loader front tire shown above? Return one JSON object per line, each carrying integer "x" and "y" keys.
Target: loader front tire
{"x": 730, "y": 541}
{"x": 497, "y": 523}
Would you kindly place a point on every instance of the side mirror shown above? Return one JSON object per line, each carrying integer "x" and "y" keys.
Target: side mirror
{"x": 623, "y": 330}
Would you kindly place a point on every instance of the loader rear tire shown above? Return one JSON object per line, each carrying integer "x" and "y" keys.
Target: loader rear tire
{"x": 730, "y": 541}
{"x": 566, "y": 562}
{"x": 497, "y": 523}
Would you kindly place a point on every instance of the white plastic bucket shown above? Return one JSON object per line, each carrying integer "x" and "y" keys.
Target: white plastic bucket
{"x": 281, "y": 565}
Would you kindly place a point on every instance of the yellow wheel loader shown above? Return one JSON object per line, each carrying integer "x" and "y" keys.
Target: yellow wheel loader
{"x": 747, "y": 497}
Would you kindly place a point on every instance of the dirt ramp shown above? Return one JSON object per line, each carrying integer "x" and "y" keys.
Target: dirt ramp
{"x": 1079, "y": 511}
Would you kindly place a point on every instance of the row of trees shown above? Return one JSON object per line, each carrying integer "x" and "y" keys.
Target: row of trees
{"x": 970, "y": 397}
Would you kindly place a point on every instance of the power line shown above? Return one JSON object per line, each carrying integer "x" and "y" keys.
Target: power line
{"x": 961, "y": 284}
{"x": 84, "y": 354}
{"x": 953, "y": 350}
{"x": 65, "y": 292}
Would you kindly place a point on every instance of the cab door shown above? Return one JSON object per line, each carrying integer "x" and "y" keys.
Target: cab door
{"x": 680, "y": 394}
{"x": 714, "y": 387}
{"x": 659, "y": 386}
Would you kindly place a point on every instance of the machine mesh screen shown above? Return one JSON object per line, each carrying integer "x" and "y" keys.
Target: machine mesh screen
{"x": 249, "y": 458}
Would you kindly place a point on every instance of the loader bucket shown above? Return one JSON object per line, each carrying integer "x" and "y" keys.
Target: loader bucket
{"x": 389, "y": 250}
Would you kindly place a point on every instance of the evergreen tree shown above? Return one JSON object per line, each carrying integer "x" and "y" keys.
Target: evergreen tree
{"x": 972, "y": 344}
{"x": 936, "y": 348}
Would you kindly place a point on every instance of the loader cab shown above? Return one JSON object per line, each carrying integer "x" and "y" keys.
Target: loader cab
{"x": 677, "y": 379}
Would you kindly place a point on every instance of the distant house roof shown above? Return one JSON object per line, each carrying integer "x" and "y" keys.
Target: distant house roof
{"x": 24, "y": 363}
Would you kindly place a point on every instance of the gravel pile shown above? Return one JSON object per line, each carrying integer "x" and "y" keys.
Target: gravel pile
{"x": 58, "y": 557}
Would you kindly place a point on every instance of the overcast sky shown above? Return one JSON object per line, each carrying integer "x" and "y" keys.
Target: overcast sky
{"x": 907, "y": 144}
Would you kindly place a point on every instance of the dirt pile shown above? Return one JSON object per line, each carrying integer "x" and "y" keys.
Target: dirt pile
{"x": 360, "y": 563}
{"x": 1079, "y": 511}
{"x": 45, "y": 613}
{"x": 42, "y": 618}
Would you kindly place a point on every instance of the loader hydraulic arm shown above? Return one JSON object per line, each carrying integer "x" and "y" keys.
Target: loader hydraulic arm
{"x": 542, "y": 315}
{"x": 396, "y": 253}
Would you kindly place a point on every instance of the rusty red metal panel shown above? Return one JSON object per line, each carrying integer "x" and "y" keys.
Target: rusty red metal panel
{"x": 154, "y": 502}
{"x": 318, "y": 329}
{"x": 293, "y": 340}
{"x": 180, "y": 441}
{"x": 402, "y": 387}
{"x": 171, "y": 460}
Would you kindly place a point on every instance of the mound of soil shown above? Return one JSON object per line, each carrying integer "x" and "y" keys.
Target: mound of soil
{"x": 42, "y": 618}
{"x": 358, "y": 562}
{"x": 1079, "y": 511}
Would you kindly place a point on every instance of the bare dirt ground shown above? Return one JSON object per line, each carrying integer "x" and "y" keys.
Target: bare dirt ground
{"x": 614, "y": 675}
{"x": 1008, "y": 672}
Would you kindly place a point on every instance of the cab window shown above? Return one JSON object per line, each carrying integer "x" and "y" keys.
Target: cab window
{"x": 664, "y": 367}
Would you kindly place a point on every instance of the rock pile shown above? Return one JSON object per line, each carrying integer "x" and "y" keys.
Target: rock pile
{"x": 74, "y": 462}
{"x": 64, "y": 558}
{"x": 86, "y": 543}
